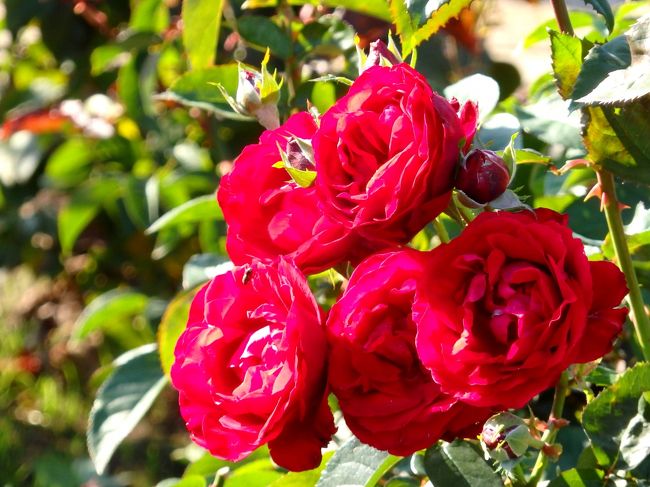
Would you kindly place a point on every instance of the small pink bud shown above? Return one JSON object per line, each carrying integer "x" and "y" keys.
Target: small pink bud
{"x": 483, "y": 176}
{"x": 378, "y": 51}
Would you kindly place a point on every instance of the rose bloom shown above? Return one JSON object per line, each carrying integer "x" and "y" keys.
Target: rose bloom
{"x": 386, "y": 395}
{"x": 251, "y": 366}
{"x": 386, "y": 154}
{"x": 511, "y": 303}
{"x": 268, "y": 214}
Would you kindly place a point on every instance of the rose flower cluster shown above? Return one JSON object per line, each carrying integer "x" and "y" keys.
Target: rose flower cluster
{"x": 419, "y": 346}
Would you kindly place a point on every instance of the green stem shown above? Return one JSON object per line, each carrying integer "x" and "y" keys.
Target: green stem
{"x": 615, "y": 224}
{"x": 561, "y": 390}
{"x": 441, "y": 230}
{"x": 562, "y": 16}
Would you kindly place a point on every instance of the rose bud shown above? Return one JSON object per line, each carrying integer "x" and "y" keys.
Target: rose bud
{"x": 380, "y": 55}
{"x": 483, "y": 176}
{"x": 506, "y": 437}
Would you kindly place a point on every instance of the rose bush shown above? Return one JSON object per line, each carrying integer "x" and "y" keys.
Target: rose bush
{"x": 250, "y": 367}
{"x": 512, "y": 302}
{"x": 386, "y": 395}
{"x": 386, "y": 155}
{"x": 268, "y": 214}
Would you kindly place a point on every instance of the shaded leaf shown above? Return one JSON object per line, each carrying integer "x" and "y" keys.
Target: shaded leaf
{"x": 201, "y": 20}
{"x": 633, "y": 82}
{"x": 617, "y": 421}
{"x": 460, "y": 465}
{"x": 599, "y": 62}
{"x": 604, "y": 9}
{"x": 373, "y": 8}
{"x": 122, "y": 401}
{"x": 263, "y": 32}
{"x": 84, "y": 205}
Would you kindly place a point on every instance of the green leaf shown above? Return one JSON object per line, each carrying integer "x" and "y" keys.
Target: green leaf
{"x": 617, "y": 139}
{"x": 149, "y": 16}
{"x": 550, "y": 121}
{"x": 459, "y": 464}
{"x": 578, "y": 478}
{"x": 201, "y": 20}
{"x": 69, "y": 164}
{"x": 633, "y": 82}
{"x": 193, "y": 211}
{"x": 262, "y": 32}
{"x": 599, "y": 62}
{"x": 604, "y": 9}
{"x": 566, "y": 55}
{"x": 602, "y": 376}
{"x": 84, "y": 205}
{"x": 122, "y": 401}
{"x": 108, "y": 308}
{"x": 373, "y": 8}
{"x": 618, "y": 420}
{"x": 481, "y": 89}
{"x": 356, "y": 465}
{"x": 200, "y": 88}
{"x": 531, "y": 156}
{"x": 418, "y": 20}
{"x": 302, "y": 479}
{"x": 172, "y": 324}
{"x": 200, "y": 268}
{"x": 540, "y": 33}
{"x": 259, "y": 473}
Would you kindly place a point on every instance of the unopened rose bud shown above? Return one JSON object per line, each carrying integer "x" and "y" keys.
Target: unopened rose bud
{"x": 483, "y": 176}
{"x": 507, "y": 437}
{"x": 380, "y": 55}
{"x": 300, "y": 155}
{"x": 248, "y": 89}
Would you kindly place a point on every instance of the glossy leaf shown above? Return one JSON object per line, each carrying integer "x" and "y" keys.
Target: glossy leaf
{"x": 108, "y": 308}
{"x": 193, "y": 211}
{"x": 460, "y": 465}
{"x": 201, "y": 21}
{"x": 200, "y": 268}
{"x": 122, "y": 401}
{"x": 355, "y": 464}
{"x": 200, "y": 88}
{"x": 481, "y": 89}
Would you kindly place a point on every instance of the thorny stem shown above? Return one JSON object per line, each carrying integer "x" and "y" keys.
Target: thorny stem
{"x": 615, "y": 224}
{"x": 561, "y": 390}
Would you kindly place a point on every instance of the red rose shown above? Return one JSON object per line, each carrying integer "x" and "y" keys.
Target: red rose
{"x": 386, "y": 154}
{"x": 268, "y": 214}
{"x": 251, "y": 366}
{"x": 386, "y": 395}
{"x": 511, "y": 303}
